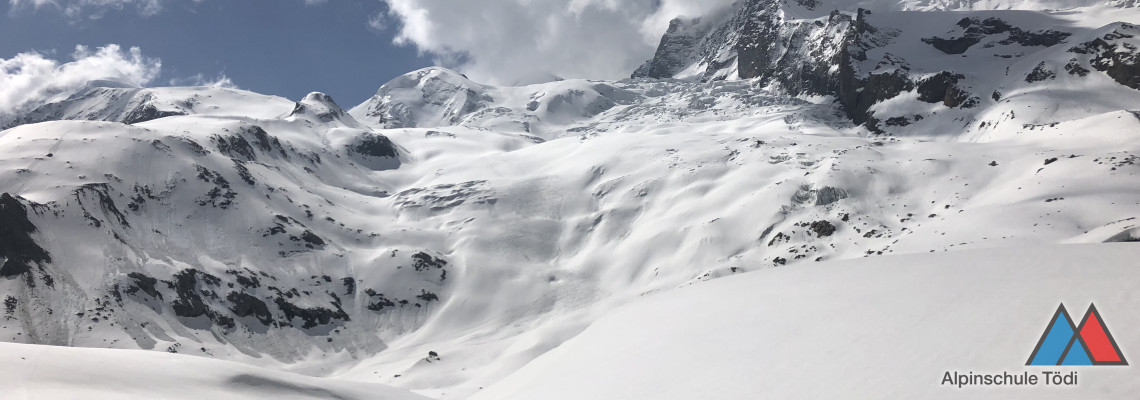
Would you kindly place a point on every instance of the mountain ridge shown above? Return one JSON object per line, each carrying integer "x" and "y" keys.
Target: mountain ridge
{"x": 866, "y": 58}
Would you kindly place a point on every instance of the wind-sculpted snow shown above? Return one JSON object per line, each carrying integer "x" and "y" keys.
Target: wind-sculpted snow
{"x": 445, "y": 233}
{"x": 271, "y": 240}
{"x": 857, "y": 329}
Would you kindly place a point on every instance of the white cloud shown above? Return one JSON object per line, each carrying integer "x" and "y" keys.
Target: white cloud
{"x": 78, "y": 9}
{"x": 378, "y": 22}
{"x": 521, "y": 41}
{"x": 93, "y": 9}
{"x": 220, "y": 81}
{"x": 31, "y": 76}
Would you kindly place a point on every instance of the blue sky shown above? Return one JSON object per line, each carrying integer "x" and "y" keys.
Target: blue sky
{"x": 279, "y": 47}
{"x": 292, "y": 47}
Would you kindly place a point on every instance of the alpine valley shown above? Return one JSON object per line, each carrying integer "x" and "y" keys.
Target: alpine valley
{"x": 791, "y": 199}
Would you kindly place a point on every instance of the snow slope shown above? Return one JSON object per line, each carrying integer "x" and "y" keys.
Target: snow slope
{"x": 521, "y": 242}
{"x": 30, "y": 372}
{"x": 444, "y": 234}
{"x": 856, "y": 329}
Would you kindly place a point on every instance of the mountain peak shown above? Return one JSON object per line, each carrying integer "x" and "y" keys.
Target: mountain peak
{"x": 864, "y": 60}
{"x": 318, "y": 97}
{"x": 427, "y": 97}
{"x": 320, "y": 107}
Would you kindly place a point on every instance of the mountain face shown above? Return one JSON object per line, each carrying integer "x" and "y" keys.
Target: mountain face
{"x": 934, "y": 62}
{"x": 143, "y": 246}
{"x": 445, "y": 233}
{"x": 103, "y": 101}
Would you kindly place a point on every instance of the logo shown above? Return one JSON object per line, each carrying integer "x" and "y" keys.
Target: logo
{"x": 1065, "y": 343}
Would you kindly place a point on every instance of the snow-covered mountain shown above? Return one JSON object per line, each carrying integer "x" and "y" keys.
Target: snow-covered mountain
{"x": 893, "y": 70}
{"x": 444, "y": 234}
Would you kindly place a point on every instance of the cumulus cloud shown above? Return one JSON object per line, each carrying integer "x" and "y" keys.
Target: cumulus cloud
{"x": 32, "y": 76}
{"x": 524, "y": 41}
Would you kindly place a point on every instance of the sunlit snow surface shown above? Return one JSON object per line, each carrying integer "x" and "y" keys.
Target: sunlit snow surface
{"x": 854, "y": 329}
{"x": 501, "y": 227}
{"x": 48, "y": 372}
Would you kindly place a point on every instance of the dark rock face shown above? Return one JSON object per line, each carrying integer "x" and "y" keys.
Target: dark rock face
{"x": 311, "y": 317}
{"x": 17, "y": 248}
{"x": 975, "y": 31}
{"x": 829, "y": 56}
{"x": 808, "y": 4}
{"x": 248, "y": 282}
{"x": 235, "y": 147}
{"x": 822, "y": 228}
{"x": 245, "y": 305}
{"x": 423, "y": 261}
{"x": 1075, "y": 68}
{"x": 942, "y": 88}
{"x": 243, "y": 173}
{"x": 126, "y": 105}
{"x": 188, "y": 285}
{"x": 147, "y": 112}
{"x": 759, "y": 36}
{"x": 374, "y": 145}
{"x": 760, "y": 54}
{"x": 311, "y": 239}
{"x": 10, "y": 304}
{"x": 101, "y": 195}
{"x": 221, "y": 195}
{"x": 378, "y": 301}
{"x": 1114, "y": 55}
{"x": 828, "y": 195}
{"x": 876, "y": 88}
{"x": 265, "y": 142}
{"x": 191, "y": 293}
{"x": 678, "y": 49}
{"x": 349, "y": 286}
{"x": 795, "y": 56}
{"x": 1040, "y": 73}
{"x": 952, "y": 46}
{"x": 898, "y": 121}
{"x": 143, "y": 283}
{"x": 857, "y": 95}
{"x": 427, "y": 296}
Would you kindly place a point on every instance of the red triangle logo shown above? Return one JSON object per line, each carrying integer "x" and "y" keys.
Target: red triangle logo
{"x": 1101, "y": 346}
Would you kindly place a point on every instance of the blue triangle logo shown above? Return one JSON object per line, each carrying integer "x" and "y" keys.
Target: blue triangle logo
{"x": 1077, "y": 354}
{"x": 1056, "y": 341}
